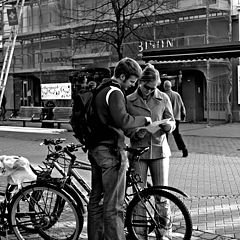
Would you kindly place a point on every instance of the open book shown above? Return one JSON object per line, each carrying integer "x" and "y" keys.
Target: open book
{"x": 154, "y": 127}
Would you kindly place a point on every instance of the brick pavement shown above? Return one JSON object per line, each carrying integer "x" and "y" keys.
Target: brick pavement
{"x": 210, "y": 176}
{"x": 211, "y": 182}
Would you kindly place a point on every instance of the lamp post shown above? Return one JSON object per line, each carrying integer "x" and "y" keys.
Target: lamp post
{"x": 238, "y": 72}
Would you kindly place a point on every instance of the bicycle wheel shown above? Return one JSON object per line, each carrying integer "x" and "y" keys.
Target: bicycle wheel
{"x": 158, "y": 214}
{"x": 51, "y": 212}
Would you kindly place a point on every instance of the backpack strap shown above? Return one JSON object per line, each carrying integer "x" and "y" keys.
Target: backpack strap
{"x": 112, "y": 88}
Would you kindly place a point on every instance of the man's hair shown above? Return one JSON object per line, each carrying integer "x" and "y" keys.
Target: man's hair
{"x": 128, "y": 67}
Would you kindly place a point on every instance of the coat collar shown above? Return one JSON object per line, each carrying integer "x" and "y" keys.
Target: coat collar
{"x": 138, "y": 101}
{"x": 158, "y": 95}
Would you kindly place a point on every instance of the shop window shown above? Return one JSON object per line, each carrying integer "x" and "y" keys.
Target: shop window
{"x": 171, "y": 3}
{"x": 203, "y": 2}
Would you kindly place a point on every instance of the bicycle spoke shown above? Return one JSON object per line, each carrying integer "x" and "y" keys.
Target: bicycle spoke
{"x": 158, "y": 215}
{"x": 45, "y": 213}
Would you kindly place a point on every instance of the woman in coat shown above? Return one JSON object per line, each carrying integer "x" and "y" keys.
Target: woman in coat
{"x": 149, "y": 101}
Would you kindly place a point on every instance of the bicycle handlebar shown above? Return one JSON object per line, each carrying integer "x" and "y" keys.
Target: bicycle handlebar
{"x": 53, "y": 141}
{"x": 68, "y": 149}
{"x": 56, "y": 142}
{"x": 73, "y": 147}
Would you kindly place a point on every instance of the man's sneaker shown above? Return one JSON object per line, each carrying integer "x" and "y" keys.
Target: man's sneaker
{"x": 185, "y": 152}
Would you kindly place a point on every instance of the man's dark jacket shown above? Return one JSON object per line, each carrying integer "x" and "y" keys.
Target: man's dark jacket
{"x": 112, "y": 117}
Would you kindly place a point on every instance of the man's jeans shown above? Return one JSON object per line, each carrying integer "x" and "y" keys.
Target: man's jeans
{"x": 105, "y": 209}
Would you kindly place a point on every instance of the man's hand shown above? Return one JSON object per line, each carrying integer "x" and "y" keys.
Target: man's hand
{"x": 148, "y": 121}
{"x": 141, "y": 133}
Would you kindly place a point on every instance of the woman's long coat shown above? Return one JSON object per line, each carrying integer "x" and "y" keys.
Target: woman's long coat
{"x": 158, "y": 107}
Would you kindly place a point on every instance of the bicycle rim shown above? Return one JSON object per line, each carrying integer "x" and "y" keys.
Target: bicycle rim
{"x": 50, "y": 214}
{"x": 158, "y": 214}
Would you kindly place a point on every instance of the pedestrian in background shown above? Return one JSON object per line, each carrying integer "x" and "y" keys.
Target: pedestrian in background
{"x": 179, "y": 112}
{"x": 148, "y": 100}
{"x": 3, "y": 108}
{"x": 107, "y": 155}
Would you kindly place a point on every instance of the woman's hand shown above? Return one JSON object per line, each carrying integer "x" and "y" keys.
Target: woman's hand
{"x": 166, "y": 127}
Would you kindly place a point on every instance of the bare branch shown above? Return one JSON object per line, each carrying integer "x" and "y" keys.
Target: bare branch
{"x": 115, "y": 21}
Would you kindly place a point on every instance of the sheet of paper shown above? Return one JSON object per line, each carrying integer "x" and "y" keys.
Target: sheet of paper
{"x": 154, "y": 127}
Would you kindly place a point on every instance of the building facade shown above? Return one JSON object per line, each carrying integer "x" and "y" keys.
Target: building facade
{"x": 49, "y": 50}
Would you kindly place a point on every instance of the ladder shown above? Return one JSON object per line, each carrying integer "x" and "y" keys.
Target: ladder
{"x": 11, "y": 42}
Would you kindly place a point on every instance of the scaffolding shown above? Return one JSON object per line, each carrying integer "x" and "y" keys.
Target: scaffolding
{"x": 11, "y": 42}
{"x": 48, "y": 40}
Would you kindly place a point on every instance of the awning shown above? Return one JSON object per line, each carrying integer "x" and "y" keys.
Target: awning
{"x": 211, "y": 51}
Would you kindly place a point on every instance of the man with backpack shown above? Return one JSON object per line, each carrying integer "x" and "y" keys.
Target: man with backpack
{"x": 107, "y": 155}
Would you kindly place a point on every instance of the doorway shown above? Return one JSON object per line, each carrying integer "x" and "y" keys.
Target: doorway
{"x": 27, "y": 91}
{"x": 193, "y": 94}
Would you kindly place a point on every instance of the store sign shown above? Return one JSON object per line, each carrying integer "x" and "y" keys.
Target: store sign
{"x": 51, "y": 91}
{"x": 151, "y": 44}
{"x": 57, "y": 59}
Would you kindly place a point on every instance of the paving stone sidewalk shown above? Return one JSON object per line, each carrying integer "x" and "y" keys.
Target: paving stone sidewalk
{"x": 210, "y": 175}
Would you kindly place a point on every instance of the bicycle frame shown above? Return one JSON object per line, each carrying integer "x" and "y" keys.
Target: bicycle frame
{"x": 74, "y": 184}
{"x": 72, "y": 172}
{"x": 77, "y": 164}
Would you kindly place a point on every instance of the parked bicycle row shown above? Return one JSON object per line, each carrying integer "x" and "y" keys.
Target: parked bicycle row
{"x": 53, "y": 208}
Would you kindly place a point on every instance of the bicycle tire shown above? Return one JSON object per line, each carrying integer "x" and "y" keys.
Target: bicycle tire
{"x": 147, "y": 221}
{"x": 57, "y": 208}
{"x": 68, "y": 187}
{"x": 50, "y": 220}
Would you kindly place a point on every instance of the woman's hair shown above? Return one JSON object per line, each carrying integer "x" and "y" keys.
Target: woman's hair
{"x": 128, "y": 67}
{"x": 150, "y": 74}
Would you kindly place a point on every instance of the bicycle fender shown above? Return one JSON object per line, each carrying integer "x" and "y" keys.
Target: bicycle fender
{"x": 70, "y": 191}
{"x": 172, "y": 189}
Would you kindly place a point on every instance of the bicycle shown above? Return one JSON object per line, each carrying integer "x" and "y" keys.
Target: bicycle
{"x": 32, "y": 212}
{"x": 153, "y": 222}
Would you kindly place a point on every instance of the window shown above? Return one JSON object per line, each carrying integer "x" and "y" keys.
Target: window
{"x": 204, "y": 2}
{"x": 171, "y": 4}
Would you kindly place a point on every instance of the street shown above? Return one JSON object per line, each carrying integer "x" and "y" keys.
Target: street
{"x": 209, "y": 175}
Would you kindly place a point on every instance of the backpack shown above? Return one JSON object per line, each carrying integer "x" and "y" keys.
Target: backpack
{"x": 84, "y": 118}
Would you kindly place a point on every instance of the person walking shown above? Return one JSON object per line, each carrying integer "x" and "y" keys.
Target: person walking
{"x": 150, "y": 101}
{"x": 179, "y": 112}
{"x": 3, "y": 108}
{"x": 107, "y": 155}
